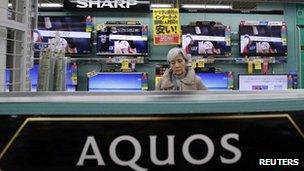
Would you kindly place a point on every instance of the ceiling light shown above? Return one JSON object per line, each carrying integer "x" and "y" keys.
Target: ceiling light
{"x": 218, "y": 7}
{"x": 161, "y": 6}
{"x": 50, "y": 5}
{"x": 198, "y": 6}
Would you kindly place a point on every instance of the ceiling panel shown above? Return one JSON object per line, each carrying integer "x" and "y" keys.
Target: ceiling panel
{"x": 237, "y": 4}
{"x": 199, "y": 1}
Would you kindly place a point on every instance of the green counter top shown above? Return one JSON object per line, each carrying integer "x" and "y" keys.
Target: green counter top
{"x": 192, "y": 102}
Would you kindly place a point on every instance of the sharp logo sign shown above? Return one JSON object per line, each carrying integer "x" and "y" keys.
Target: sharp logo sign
{"x": 105, "y": 4}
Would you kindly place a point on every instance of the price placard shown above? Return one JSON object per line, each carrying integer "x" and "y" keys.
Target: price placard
{"x": 125, "y": 64}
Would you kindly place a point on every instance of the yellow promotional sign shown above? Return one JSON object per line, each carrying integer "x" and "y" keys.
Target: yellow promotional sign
{"x": 201, "y": 63}
{"x": 157, "y": 80}
{"x": 193, "y": 64}
{"x": 250, "y": 67}
{"x": 257, "y": 64}
{"x": 125, "y": 64}
{"x": 166, "y": 28}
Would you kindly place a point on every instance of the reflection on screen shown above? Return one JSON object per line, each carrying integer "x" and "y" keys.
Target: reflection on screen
{"x": 34, "y": 78}
{"x": 116, "y": 82}
{"x": 263, "y": 82}
{"x": 215, "y": 81}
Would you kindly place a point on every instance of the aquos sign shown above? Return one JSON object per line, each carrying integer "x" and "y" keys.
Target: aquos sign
{"x": 106, "y": 4}
{"x": 251, "y": 142}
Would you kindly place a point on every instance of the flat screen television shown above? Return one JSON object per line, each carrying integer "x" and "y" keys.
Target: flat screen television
{"x": 118, "y": 82}
{"x": 72, "y": 29}
{"x": 263, "y": 38}
{"x": 123, "y": 40}
{"x": 71, "y": 78}
{"x": 217, "y": 81}
{"x": 263, "y": 82}
{"x": 206, "y": 39}
{"x": 34, "y": 77}
{"x": 7, "y": 80}
{"x": 70, "y": 84}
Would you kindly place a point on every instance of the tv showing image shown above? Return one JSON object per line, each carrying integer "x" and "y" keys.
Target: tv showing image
{"x": 34, "y": 77}
{"x": 71, "y": 85}
{"x": 7, "y": 80}
{"x": 71, "y": 78}
{"x": 263, "y": 38}
{"x": 206, "y": 39}
{"x": 217, "y": 81}
{"x": 263, "y": 82}
{"x": 72, "y": 30}
{"x": 118, "y": 82}
{"x": 123, "y": 40}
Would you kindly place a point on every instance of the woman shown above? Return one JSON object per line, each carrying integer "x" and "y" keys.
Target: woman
{"x": 245, "y": 44}
{"x": 188, "y": 43}
{"x": 180, "y": 76}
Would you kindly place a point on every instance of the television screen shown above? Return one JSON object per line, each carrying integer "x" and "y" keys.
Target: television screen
{"x": 263, "y": 82}
{"x": 71, "y": 85}
{"x": 217, "y": 81}
{"x": 72, "y": 30}
{"x": 206, "y": 40}
{"x": 34, "y": 77}
{"x": 123, "y": 40}
{"x": 118, "y": 82}
{"x": 7, "y": 80}
{"x": 263, "y": 38}
{"x": 71, "y": 77}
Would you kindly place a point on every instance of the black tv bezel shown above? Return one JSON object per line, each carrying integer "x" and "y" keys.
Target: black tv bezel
{"x": 123, "y": 54}
{"x": 87, "y": 81}
{"x": 227, "y": 54}
{"x": 225, "y": 72}
{"x": 256, "y": 75}
{"x": 37, "y": 64}
{"x": 261, "y": 54}
{"x": 68, "y": 54}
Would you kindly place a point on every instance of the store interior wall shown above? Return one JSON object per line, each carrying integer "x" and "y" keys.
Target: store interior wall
{"x": 157, "y": 54}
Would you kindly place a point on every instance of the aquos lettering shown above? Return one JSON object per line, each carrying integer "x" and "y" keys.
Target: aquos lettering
{"x": 105, "y": 3}
{"x": 170, "y": 160}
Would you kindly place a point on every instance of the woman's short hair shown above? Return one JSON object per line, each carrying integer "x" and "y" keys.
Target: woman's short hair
{"x": 174, "y": 52}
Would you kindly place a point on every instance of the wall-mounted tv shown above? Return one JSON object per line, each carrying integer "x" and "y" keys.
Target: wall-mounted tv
{"x": 73, "y": 37}
{"x": 263, "y": 38}
{"x": 208, "y": 39}
{"x": 71, "y": 85}
{"x": 217, "y": 81}
{"x": 123, "y": 40}
{"x": 118, "y": 82}
{"x": 263, "y": 82}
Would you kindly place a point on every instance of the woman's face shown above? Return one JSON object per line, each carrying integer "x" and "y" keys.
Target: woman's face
{"x": 178, "y": 65}
{"x": 246, "y": 40}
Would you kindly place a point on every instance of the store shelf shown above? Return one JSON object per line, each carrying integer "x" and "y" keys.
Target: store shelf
{"x": 240, "y": 60}
{"x": 108, "y": 60}
{"x": 208, "y": 60}
{"x": 122, "y": 54}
